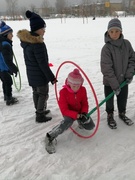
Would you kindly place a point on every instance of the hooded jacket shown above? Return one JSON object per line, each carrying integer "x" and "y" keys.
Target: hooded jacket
{"x": 117, "y": 61}
{"x": 71, "y": 104}
{"x": 36, "y": 59}
{"x": 6, "y": 56}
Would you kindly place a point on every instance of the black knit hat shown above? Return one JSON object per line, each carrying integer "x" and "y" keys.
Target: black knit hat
{"x": 114, "y": 23}
{"x": 36, "y": 22}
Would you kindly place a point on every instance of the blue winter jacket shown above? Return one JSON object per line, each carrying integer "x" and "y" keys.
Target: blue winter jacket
{"x": 6, "y": 56}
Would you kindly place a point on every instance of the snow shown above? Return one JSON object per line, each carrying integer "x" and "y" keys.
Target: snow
{"x": 108, "y": 155}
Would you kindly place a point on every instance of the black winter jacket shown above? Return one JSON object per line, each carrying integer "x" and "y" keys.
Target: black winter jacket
{"x": 36, "y": 59}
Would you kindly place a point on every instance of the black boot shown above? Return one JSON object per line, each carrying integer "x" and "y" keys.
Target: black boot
{"x": 111, "y": 122}
{"x": 41, "y": 118}
{"x": 47, "y": 111}
{"x": 11, "y": 101}
{"x": 126, "y": 120}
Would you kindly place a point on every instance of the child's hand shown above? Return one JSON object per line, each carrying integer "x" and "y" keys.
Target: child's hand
{"x": 54, "y": 81}
{"x": 117, "y": 91}
{"x": 128, "y": 81}
{"x": 83, "y": 118}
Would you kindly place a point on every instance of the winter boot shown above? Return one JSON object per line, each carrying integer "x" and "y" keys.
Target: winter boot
{"x": 111, "y": 122}
{"x": 49, "y": 144}
{"x": 80, "y": 124}
{"x": 47, "y": 111}
{"x": 11, "y": 101}
{"x": 5, "y": 97}
{"x": 41, "y": 118}
{"x": 126, "y": 120}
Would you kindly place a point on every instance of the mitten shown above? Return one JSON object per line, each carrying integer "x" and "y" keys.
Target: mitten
{"x": 117, "y": 91}
{"x": 128, "y": 81}
{"x": 54, "y": 81}
{"x": 15, "y": 74}
{"x": 83, "y": 118}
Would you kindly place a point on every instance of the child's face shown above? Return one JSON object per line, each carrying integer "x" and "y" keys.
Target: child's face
{"x": 10, "y": 35}
{"x": 75, "y": 87}
{"x": 41, "y": 31}
{"x": 114, "y": 34}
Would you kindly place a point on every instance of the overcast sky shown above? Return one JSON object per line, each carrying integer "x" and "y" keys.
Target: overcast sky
{"x": 22, "y": 3}
{"x": 37, "y": 3}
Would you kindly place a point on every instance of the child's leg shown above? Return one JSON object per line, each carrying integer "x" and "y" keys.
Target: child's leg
{"x": 40, "y": 96}
{"x": 35, "y": 97}
{"x": 60, "y": 128}
{"x": 7, "y": 84}
{"x": 122, "y": 99}
{"x": 110, "y": 103}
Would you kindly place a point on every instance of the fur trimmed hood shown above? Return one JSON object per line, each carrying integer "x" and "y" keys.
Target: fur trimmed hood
{"x": 28, "y": 37}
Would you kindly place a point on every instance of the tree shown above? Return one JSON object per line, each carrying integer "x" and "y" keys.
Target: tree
{"x": 45, "y": 7}
{"x": 12, "y": 7}
{"x": 60, "y": 5}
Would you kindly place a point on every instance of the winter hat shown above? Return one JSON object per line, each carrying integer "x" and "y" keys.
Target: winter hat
{"x": 114, "y": 23}
{"x": 36, "y": 22}
{"x": 75, "y": 77}
{"x": 4, "y": 29}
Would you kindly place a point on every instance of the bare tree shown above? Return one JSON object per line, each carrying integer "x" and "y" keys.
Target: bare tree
{"x": 32, "y": 8}
{"x": 45, "y": 7}
{"x": 45, "y": 3}
{"x": 23, "y": 11}
{"x": 12, "y": 8}
{"x": 60, "y": 5}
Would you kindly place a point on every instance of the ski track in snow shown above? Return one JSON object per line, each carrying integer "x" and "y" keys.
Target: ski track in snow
{"x": 109, "y": 155}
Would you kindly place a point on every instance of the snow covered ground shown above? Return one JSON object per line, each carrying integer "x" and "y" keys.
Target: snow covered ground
{"x": 108, "y": 155}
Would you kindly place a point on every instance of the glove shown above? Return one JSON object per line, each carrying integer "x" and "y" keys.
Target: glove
{"x": 117, "y": 91}
{"x": 83, "y": 118}
{"x": 54, "y": 81}
{"x": 128, "y": 81}
{"x": 16, "y": 74}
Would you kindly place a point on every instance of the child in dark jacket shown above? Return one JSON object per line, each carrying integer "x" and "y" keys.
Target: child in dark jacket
{"x": 7, "y": 67}
{"x": 36, "y": 59}
{"x": 117, "y": 65}
{"x": 73, "y": 103}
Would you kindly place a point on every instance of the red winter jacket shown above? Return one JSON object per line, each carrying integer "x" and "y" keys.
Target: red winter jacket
{"x": 71, "y": 104}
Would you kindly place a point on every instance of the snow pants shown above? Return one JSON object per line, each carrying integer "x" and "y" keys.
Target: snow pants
{"x": 121, "y": 99}
{"x": 40, "y": 97}
{"x": 65, "y": 124}
{"x": 6, "y": 84}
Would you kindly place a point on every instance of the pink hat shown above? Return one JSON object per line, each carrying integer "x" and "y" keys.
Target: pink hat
{"x": 75, "y": 78}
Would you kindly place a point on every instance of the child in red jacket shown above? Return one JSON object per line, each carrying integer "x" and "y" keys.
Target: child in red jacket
{"x": 73, "y": 103}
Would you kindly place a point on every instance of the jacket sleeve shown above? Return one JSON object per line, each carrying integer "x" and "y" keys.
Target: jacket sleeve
{"x": 85, "y": 105}
{"x": 41, "y": 55}
{"x": 107, "y": 68}
{"x": 8, "y": 58}
{"x": 63, "y": 104}
{"x": 131, "y": 63}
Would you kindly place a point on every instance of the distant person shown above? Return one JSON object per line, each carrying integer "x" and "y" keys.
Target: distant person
{"x": 7, "y": 67}
{"x": 36, "y": 59}
{"x": 117, "y": 65}
{"x": 73, "y": 103}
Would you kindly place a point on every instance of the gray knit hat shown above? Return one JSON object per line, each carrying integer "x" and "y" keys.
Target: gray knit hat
{"x": 114, "y": 23}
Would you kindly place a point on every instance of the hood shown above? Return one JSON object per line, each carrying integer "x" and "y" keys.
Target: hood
{"x": 117, "y": 42}
{"x": 28, "y": 37}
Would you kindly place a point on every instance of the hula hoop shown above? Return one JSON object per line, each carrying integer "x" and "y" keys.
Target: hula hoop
{"x": 17, "y": 87}
{"x": 95, "y": 97}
